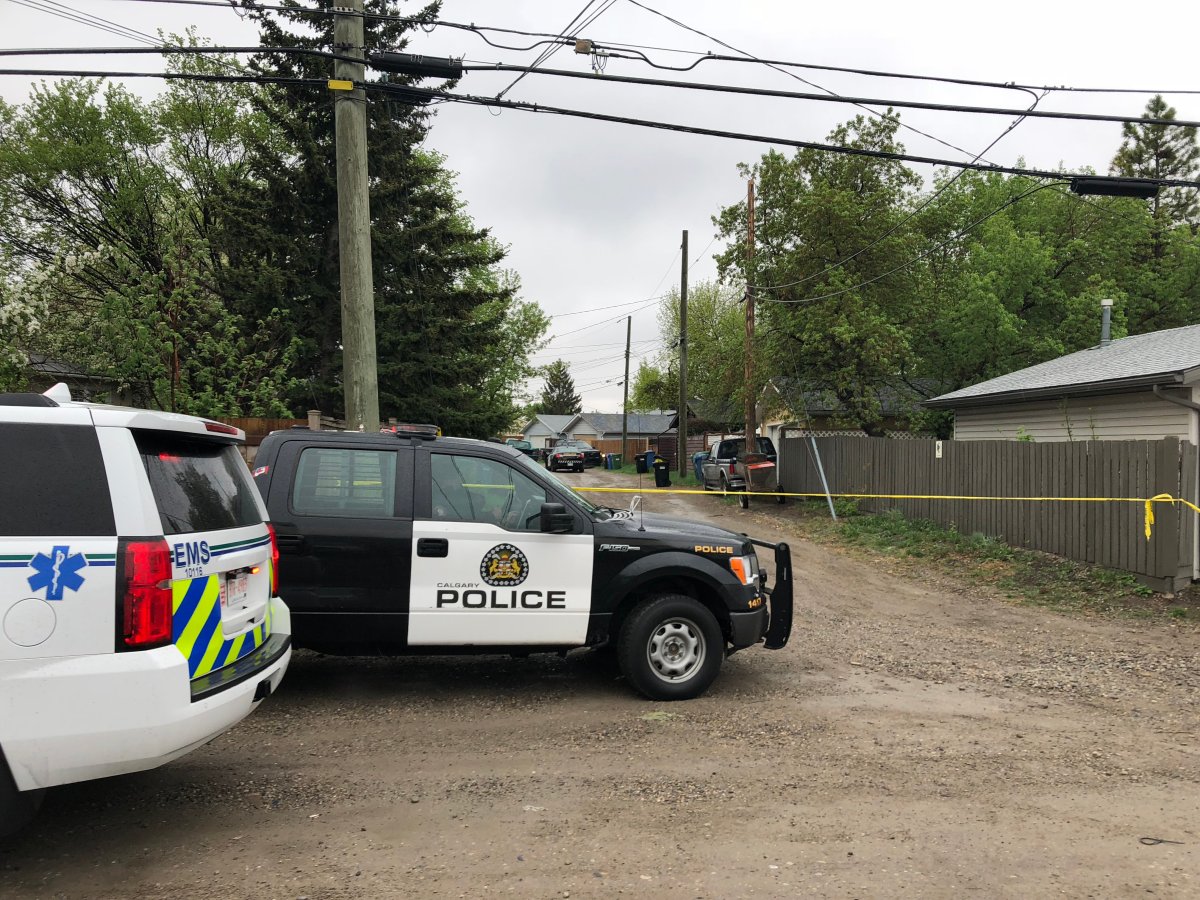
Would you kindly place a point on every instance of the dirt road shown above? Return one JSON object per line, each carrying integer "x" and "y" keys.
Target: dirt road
{"x": 913, "y": 740}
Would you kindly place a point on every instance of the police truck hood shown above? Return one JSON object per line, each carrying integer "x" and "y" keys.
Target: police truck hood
{"x": 626, "y": 527}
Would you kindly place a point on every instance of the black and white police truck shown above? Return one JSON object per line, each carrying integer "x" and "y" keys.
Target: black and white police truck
{"x": 409, "y": 542}
{"x": 138, "y": 612}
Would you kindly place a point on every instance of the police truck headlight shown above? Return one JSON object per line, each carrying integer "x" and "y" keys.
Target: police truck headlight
{"x": 745, "y": 568}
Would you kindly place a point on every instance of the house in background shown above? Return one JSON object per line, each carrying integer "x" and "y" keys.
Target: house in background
{"x": 543, "y": 430}
{"x": 43, "y": 373}
{"x": 1143, "y": 387}
{"x": 787, "y": 403}
{"x": 592, "y": 427}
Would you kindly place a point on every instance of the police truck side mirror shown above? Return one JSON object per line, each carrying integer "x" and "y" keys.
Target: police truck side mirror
{"x": 556, "y": 519}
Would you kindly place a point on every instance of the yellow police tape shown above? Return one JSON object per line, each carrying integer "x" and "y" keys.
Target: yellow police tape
{"x": 1149, "y": 503}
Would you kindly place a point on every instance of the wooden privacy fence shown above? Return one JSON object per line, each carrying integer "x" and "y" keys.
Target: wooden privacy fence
{"x": 636, "y": 445}
{"x": 1110, "y": 534}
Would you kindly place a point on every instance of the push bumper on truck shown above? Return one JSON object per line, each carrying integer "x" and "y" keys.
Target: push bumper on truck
{"x": 75, "y": 718}
{"x": 771, "y": 624}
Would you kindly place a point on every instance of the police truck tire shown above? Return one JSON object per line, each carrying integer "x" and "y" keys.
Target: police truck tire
{"x": 670, "y": 648}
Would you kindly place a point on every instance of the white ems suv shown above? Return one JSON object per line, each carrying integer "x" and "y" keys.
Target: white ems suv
{"x": 138, "y": 610}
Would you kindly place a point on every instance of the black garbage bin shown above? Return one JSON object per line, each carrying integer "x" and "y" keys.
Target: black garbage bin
{"x": 662, "y": 473}
{"x": 639, "y": 463}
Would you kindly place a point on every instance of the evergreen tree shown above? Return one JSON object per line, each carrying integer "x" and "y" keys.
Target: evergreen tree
{"x": 558, "y": 396}
{"x": 1162, "y": 151}
{"x": 445, "y": 320}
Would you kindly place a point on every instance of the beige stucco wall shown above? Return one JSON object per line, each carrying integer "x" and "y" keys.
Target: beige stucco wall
{"x": 1119, "y": 417}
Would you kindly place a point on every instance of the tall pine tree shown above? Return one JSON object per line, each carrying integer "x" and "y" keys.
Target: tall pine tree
{"x": 444, "y": 319}
{"x": 1162, "y": 151}
{"x": 558, "y": 396}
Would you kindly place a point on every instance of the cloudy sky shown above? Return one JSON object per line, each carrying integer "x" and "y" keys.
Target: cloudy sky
{"x": 593, "y": 212}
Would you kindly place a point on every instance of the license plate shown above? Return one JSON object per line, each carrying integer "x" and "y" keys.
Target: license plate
{"x": 233, "y": 590}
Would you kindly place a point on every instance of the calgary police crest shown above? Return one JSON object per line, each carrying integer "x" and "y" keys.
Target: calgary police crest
{"x": 504, "y": 566}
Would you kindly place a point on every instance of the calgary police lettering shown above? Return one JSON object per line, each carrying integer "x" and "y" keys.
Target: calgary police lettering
{"x": 504, "y": 566}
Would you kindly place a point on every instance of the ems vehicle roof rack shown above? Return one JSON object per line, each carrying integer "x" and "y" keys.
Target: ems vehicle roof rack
{"x": 427, "y": 432}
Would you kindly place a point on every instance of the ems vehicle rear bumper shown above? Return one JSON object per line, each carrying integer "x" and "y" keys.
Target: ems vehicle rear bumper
{"x": 75, "y": 718}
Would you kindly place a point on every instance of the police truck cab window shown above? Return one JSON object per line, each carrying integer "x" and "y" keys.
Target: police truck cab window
{"x": 337, "y": 481}
{"x": 472, "y": 489}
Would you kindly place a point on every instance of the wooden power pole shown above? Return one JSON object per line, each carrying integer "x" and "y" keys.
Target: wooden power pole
{"x": 625, "y": 408}
{"x": 751, "y": 425}
{"x": 681, "y": 413}
{"x": 360, "y": 379}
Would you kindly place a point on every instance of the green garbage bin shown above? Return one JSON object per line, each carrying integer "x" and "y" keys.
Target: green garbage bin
{"x": 616, "y": 460}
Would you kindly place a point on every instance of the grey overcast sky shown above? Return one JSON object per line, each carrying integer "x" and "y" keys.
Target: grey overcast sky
{"x": 592, "y": 212}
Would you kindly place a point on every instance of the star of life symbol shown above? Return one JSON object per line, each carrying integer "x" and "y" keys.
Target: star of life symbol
{"x": 57, "y": 572}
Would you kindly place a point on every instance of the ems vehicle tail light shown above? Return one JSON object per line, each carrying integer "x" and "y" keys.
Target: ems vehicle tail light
{"x": 147, "y": 594}
{"x": 274, "y": 560}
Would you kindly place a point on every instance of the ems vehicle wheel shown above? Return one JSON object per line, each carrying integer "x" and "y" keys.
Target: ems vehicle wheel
{"x": 17, "y": 808}
{"x": 670, "y": 648}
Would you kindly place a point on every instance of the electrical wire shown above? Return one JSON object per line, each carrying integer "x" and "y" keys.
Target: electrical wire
{"x": 835, "y": 98}
{"x": 1030, "y": 112}
{"x": 704, "y": 56}
{"x": 759, "y": 138}
{"x": 908, "y": 218}
{"x": 172, "y": 49}
{"x": 73, "y": 15}
{"x": 582, "y": 312}
{"x": 555, "y": 46}
{"x": 799, "y": 78}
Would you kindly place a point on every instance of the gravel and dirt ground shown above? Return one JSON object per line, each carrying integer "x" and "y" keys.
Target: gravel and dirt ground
{"x": 916, "y": 739}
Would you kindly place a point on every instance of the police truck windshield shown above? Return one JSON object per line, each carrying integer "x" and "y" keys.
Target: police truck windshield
{"x": 588, "y": 507}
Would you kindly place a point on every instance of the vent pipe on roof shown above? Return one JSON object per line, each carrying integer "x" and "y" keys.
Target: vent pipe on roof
{"x": 1105, "y": 322}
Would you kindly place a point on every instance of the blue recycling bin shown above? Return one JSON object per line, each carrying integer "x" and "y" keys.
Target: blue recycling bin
{"x": 650, "y": 457}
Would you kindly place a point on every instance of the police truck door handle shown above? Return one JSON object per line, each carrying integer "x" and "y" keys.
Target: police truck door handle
{"x": 439, "y": 547}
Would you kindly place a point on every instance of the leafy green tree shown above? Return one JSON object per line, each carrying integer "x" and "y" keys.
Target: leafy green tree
{"x": 654, "y": 388}
{"x": 835, "y": 295}
{"x": 558, "y": 395}
{"x": 1162, "y": 151}
{"x": 107, "y": 233}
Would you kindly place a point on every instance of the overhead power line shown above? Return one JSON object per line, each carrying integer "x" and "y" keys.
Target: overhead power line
{"x": 703, "y": 56}
{"x": 835, "y": 98}
{"x": 625, "y": 79}
{"x": 932, "y": 198}
{"x": 423, "y": 94}
{"x": 758, "y": 138}
{"x": 70, "y": 14}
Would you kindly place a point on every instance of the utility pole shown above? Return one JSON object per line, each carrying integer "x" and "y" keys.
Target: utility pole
{"x": 751, "y": 426}
{"x": 625, "y": 408}
{"x": 360, "y": 379}
{"x": 683, "y": 391}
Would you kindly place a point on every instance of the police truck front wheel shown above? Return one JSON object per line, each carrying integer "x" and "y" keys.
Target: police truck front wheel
{"x": 670, "y": 648}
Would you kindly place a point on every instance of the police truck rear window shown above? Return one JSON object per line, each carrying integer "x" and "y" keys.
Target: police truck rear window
{"x": 198, "y": 485}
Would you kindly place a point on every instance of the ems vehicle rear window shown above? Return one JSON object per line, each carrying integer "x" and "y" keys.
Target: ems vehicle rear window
{"x": 197, "y": 485}
{"x": 52, "y": 482}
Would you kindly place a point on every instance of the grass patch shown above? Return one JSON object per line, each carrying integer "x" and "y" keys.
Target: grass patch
{"x": 688, "y": 481}
{"x": 1028, "y": 576}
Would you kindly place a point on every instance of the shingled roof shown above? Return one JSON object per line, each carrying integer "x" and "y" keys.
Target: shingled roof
{"x": 639, "y": 423}
{"x": 1136, "y": 362}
